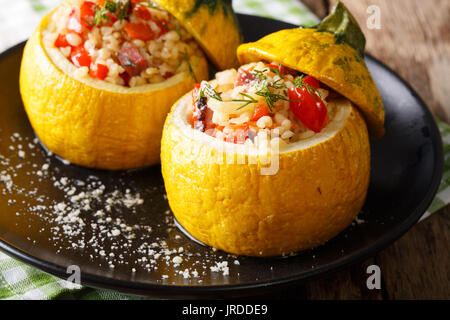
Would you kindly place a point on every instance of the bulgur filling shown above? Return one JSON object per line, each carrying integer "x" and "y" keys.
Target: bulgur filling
{"x": 124, "y": 42}
{"x": 260, "y": 101}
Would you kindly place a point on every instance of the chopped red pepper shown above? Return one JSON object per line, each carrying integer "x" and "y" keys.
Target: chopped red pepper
{"x": 261, "y": 110}
{"x": 61, "y": 41}
{"x": 111, "y": 18}
{"x": 276, "y": 67}
{"x": 80, "y": 57}
{"x": 99, "y": 71}
{"x": 87, "y": 13}
{"x": 141, "y": 31}
{"x": 131, "y": 60}
{"x": 142, "y": 13}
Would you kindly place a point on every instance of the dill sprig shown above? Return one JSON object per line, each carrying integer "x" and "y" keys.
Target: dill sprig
{"x": 277, "y": 84}
{"x": 270, "y": 97}
{"x": 276, "y": 70}
{"x": 162, "y": 23}
{"x": 119, "y": 9}
{"x": 264, "y": 91}
{"x": 178, "y": 30}
{"x": 247, "y": 101}
{"x": 298, "y": 82}
{"x": 186, "y": 58}
{"x": 260, "y": 74}
{"x": 209, "y": 91}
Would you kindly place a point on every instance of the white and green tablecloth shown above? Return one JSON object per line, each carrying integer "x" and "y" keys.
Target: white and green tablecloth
{"x": 17, "y": 21}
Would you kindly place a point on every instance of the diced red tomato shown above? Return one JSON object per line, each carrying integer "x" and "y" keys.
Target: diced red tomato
{"x": 61, "y": 41}
{"x": 308, "y": 108}
{"x": 277, "y": 67}
{"x": 131, "y": 60}
{"x": 81, "y": 19}
{"x": 243, "y": 77}
{"x": 142, "y": 13}
{"x": 136, "y": 1}
{"x": 87, "y": 13}
{"x": 99, "y": 71}
{"x": 80, "y": 57}
{"x": 261, "y": 110}
{"x": 311, "y": 81}
{"x": 141, "y": 31}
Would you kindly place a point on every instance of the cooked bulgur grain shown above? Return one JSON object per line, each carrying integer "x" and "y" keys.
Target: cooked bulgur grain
{"x": 260, "y": 101}
{"x": 124, "y": 42}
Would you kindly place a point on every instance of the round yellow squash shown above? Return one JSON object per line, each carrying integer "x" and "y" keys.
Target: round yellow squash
{"x": 94, "y": 123}
{"x": 213, "y": 24}
{"x": 225, "y": 199}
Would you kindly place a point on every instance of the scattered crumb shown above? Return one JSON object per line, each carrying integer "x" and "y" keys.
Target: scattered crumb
{"x": 95, "y": 214}
{"x": 177, "y": 260}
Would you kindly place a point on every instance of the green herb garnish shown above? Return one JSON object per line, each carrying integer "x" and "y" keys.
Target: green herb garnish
{"x": 247, "y": 101}
{"x": 264, "y": 89}
{"x": 298, "y": 82}
{"x": 270, "y": 97}
{"x": 210, "y": 92}
{"x": 178, "y": 30}
{"x": 119, "y": 9}
{"x": 276, "y": 70}
{"x": 277, "y": 84}
{"x": 187, "y": 59}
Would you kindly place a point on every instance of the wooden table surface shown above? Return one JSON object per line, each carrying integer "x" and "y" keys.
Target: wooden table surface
{"x": 414, "y": 40}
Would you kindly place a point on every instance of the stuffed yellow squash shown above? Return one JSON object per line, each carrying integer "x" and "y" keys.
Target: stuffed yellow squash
{"x": 98, "y": 77}
{"x": 274, "y": 157}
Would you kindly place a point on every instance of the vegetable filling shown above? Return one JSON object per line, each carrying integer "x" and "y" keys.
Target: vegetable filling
{"x": 124, "y": 42}
{"x": 261, "y": 101}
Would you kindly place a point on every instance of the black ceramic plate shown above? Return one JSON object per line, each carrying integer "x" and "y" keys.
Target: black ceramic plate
{"x": 406, "y": 170}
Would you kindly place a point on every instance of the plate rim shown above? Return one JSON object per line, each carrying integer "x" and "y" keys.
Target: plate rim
{"x": 140, "y": 288}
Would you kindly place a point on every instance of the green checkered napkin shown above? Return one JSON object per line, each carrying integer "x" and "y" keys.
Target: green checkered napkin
{"x": 20, "y": 281}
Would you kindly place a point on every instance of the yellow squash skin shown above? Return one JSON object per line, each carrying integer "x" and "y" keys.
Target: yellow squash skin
{"x": 337, "y": 65}
{"x": 316, "y": 193}
{"x": 94, "y": 127}
{"x": 217, "y": 32}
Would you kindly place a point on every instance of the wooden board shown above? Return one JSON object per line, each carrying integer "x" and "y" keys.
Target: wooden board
{"x": 414, "y": 40}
